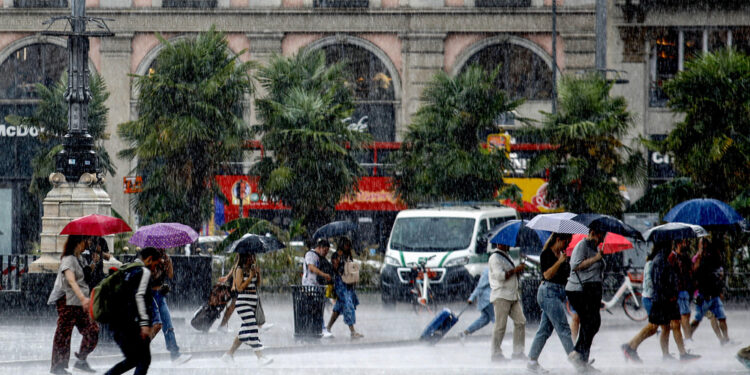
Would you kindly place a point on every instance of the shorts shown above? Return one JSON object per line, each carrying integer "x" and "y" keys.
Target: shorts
{"x": 662, "y": 313}
{"x": 683, "y": 301}
{"x": 714, "y": 305}
{"x": 647, "y": 304}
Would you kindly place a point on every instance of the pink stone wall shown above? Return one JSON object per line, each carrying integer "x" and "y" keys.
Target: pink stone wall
{"x": 92, "y": 3}
{"x": 545, "y": 41}
{"x": 389, "y": 3}
{"x": 141, "y": 3}
{"x": 7, "y": 38}
{"x": 454, "y": 3}
{"x": 293, "y": 42}
{"x": 239, "y": 3}
{"x": 390, "y": 44}
{"x": 292, "y": 3}
{"x": 455, "y": 44}
{"x": 549, "y": 2}
{"x": 238, "y": 42}
{"x": 95, "y": 53}
{"x": 142, "y": 44}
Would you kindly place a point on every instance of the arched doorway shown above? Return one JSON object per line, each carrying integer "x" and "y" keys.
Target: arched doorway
{"x": 523, "y": 72}
{"x": 374, "y": 88}
{"x": 24, "y": 65}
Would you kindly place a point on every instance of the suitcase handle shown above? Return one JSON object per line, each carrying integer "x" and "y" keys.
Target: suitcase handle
{"x": 462, "y": 310}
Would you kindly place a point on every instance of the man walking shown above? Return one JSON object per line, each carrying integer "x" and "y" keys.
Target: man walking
{"x": 684, "y": 267}
{"x": 132, "y": 330}
{"x": 709, "y": 272}
{"x": 313, "y": 274}
{"x": 505, "y": 298}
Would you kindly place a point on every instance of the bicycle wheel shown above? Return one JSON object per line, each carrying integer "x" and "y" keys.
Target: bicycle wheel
{"x": 633, "y": 311}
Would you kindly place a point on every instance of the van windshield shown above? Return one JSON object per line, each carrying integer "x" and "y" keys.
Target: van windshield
{"x": 432, "y": 233}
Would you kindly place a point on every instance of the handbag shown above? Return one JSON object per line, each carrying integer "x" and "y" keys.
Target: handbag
{"x": 351, "y": 272}
{"x": 331, "y": 292}
{"x": 260, "y": 315}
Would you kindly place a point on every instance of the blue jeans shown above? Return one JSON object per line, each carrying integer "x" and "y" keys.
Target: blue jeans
{"x": 162, "y": 316}
{"x": 487, "y": 316}
{"x": 647, "y": 303}
{"x": 551, "y": 298}
{"x": 713, "y": 304}
{"x": 683, "y": 300}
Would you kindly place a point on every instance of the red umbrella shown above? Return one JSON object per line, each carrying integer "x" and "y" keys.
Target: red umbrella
{"x": 613, "y": 243}
{"x": 96, "y": 225}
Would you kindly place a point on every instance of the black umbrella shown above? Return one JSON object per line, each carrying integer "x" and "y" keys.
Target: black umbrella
{"x": 606, "y": 223}
{"x": 674, "y": 232}
{"x": 335, "y": 229}
{"x": 255, "y": 244}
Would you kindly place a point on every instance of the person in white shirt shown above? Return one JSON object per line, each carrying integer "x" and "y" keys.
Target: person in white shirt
{"x": 505, "y": 298}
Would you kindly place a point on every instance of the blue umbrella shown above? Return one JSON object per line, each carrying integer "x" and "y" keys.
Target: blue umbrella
{"x": 703, "y": 212}
{"x": 515, "y": 233}
{"x": 335, "y": 229}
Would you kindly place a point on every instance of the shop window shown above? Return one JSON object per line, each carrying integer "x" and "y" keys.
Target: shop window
{"x": 40, "y": 3}
{"x": 341, "y": 3}
{"x": 374, "y": 95}
{"x": 673, "y": 48}
{"x": 501, "y": 3}
{"x": 197, "y": 4}
{"x": 523, "y": 74}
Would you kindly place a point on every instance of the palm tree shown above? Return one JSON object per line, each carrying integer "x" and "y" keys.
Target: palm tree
{"x": 189, "y": 126}
{"x": 301, "y": 121}
{"x": 712, "y": 144}
{"x": 443, "y": 157}
{"x": 590, "y": 161}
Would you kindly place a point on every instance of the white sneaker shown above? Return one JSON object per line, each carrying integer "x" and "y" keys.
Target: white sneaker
{"x": 327, "y": 334}
{"x": 264, "y": 361}
{"x": 182, "y": 359}
{"x": 227, "y": 358}
{"x": 266, "y": 327}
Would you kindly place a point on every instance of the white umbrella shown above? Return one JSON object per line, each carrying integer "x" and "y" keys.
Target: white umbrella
{"x": 557, "y": 223}
{"x": 674, "y": 232}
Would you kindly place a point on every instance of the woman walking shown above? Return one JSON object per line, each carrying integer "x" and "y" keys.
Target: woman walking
{"x": 665, "y": 310}
{"x": 347, "y": 301}
{"x": 70, "y": 294}
{"x": 584, "y": 290}
{"x": 246, "y": 281}
{"x": 551, "y": 298}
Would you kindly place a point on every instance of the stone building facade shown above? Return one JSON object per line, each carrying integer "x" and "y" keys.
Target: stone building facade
{"x": 400, "y": 45}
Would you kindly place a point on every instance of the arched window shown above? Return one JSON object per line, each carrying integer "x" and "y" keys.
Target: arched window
{"x": 523, "y": 74}
{"x": 374, "y": 94}
{"x": 19, "y": 74}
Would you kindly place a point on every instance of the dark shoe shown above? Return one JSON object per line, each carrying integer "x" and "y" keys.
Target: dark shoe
{"x": 520, "y": 356}
{"x": 82, "y": 365}
{"x": 630, "y": 353}
{"x": 688, "y": 357}
{"x": 59, "y": 371}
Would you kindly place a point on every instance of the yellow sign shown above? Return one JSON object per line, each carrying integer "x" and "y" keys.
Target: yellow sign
{"x": 533, "y": 194}
{"x": 500, "y": 141}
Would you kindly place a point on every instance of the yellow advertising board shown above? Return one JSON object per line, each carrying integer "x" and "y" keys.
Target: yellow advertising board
{"x": 533, "y": 194}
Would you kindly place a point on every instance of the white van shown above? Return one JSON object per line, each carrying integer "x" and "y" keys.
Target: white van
{"x": 455, "y": 233}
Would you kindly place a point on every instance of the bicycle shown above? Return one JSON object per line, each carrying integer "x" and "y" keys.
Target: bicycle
{"x": 632, "y": 302}
{"x": 420, "y": 291}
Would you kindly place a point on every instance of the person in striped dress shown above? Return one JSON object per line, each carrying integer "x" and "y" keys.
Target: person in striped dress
{"x": 246, "y": 281}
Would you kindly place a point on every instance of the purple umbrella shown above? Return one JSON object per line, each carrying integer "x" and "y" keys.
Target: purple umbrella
{"x": 164, "y": 235}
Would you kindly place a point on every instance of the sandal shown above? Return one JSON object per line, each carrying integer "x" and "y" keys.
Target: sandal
{"x": 357, "y": 335}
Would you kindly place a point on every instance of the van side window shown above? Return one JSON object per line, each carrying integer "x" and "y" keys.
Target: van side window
{"x": 495, "y": 221}
{"x": 483, "y": 229}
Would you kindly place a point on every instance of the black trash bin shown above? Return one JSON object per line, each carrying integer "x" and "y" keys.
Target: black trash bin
{"x": 308, "y": 310}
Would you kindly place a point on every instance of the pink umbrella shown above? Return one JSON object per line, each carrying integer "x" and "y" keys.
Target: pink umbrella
{"x": 613, "y": 243}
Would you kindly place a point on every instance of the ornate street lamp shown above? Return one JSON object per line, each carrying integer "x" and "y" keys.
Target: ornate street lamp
{"x": 78, "y": 156}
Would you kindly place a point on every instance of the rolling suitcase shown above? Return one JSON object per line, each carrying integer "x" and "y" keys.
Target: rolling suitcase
{"x": 440, "y": 325}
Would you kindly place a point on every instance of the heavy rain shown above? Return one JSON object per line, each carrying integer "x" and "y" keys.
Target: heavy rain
{"x": 374, "y": 186}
